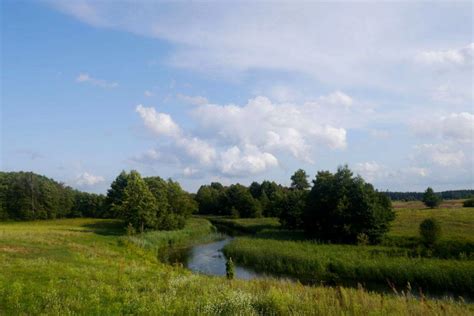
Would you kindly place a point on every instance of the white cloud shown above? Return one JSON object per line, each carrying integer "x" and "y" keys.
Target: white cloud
{"x": 235, "y": 162}
{"x": 247, "y": 139}
{"x": 460, "y": 56}
{"x": 338, "y": 98}
{"x": 88, "y": 179}
{"x": 159, "y": 123}
{"x": 196, "y": 100}
{"x": 148, "y": 93}
{"x": 456, "y": 127}
{"x": 369, "y": 170}
{"x": 440, "y": 154}
{"x": 189, "y": 171}
{"x": 84, "y": 77}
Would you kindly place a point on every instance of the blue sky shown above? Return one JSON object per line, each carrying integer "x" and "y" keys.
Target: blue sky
{"x": 238, "y": 92}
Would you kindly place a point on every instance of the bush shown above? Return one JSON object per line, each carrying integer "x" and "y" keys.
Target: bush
{"x": 430, "y": 231}
{"x": 468, "y": 203}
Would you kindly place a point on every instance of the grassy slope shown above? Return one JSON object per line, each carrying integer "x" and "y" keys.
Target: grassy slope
{"x": 308, "y": 260}
{"x": 82, "y": 266}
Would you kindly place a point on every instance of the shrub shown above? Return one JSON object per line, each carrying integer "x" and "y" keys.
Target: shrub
{"x": 430, "y": 231}
{"x": 430, "y": 199}
{"x": 468, "y": 203}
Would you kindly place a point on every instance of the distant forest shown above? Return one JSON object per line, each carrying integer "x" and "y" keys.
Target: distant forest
{"x": 418, "y": 196}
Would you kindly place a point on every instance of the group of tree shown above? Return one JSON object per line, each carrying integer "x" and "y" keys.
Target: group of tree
{"x": 29, "y": 196}
{"x": 338, "y": 207}
{"x": 149, "y": 203}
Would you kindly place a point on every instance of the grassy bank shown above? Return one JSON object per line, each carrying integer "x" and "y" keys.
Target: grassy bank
{"x": 83, "y": 266}
{"x": 400, "y": 258}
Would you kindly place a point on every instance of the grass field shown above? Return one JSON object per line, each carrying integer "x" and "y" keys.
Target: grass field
{"x": 85, "y": 266}
{"x": 399, "y": 259}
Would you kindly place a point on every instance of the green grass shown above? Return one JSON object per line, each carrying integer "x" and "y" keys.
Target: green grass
{"x": 83, "y": 266}
{"x": 399, "y": 259}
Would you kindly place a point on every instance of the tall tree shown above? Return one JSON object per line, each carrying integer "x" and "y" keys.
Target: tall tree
{"x": 138, "y": 206}
{"x": 299, "y": 180}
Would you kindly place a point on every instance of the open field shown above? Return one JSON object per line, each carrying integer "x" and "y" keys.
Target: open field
{"x": 84, "y": 266}
{"x": 399, "y": 259}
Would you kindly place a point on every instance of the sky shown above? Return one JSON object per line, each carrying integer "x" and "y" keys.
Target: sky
{"x": 235, "y": 91}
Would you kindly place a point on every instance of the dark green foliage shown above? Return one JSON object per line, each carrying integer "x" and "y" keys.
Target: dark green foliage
{"x": 430, "y": 231}
{"x": 418, "y": 196}
{"x": 341, "y": 206}
{"x": 239, "y": 202}
{"x": 431, "y": 199}
{"x": 299, "y": 180}
{"x": 210, "y": 198}
{"x": 293, "y": 206}
{"x": 115, "y": 193}
{"x": 28, "y": 196}
{"x": 468, "y": 203}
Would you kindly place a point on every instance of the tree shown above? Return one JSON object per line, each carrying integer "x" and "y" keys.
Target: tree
{"x": 138, "y": 205}
{"x": 115, "y": 194}
{"x": 293, "y": 206}
{"x": 239, "y": 202}
{"x": 341, "y": 206}
{"x": 430, "y": 199}
{"x": 430, "y": 231}
{"x": 299, "y": 180}
{"x": 209, "y": 199}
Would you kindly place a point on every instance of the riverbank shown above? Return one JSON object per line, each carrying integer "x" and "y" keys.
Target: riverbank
{"x": 446, "y": 269}
{"x": 82, "y": 266}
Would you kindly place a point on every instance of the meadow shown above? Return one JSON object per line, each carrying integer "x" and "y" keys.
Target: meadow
{"x": 448, "y": 267}
{"x": 89, "y": 267}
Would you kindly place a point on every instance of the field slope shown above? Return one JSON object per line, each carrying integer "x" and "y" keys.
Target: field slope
{"x": 85, "y": 266}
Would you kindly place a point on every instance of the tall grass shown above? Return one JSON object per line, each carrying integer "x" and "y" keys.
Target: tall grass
{"x": 71, "y": 267}
{"x": 333, "y": 263}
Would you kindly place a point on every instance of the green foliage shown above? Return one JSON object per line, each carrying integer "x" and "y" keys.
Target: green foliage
{"x": 430, "y": 199}
{"x": 430, "y": 231}
{"x": 115, "y": 194}
{"x": 229, "y": 269}
{"x": 238, "y": 199}
{"x": 28, "y": 196}
{"x": 468, "y": 203}
{"x": 293, "y": 206}
{"x": 138, "y": 205}
{"x": 341, "y": 206}
{"x": 299, "y": 180}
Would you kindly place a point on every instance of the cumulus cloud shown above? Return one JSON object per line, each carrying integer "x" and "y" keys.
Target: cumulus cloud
{"x": 86, "y": 78}
{"x": 159, "y": 123}
{"x": 370, "y": 170}
{"x": 284, "y": 127}
{"x": 236, "y": 139}
{"x": 88, "y": 179}
{"x": 460, "y": 56}
{"x": 235, "y": 162}
{"x": 195, "y": 100}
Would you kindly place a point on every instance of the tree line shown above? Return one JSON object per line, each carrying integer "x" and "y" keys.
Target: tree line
{"x": 337, "y": 207}
{"x": 143, "y": 203}
{"x": 418, "y": 196}
{"x": 29, "y": 196}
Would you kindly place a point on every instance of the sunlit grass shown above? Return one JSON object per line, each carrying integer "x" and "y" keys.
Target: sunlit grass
{"x": 81, "y": 266}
